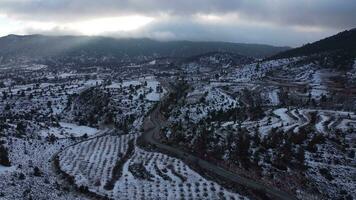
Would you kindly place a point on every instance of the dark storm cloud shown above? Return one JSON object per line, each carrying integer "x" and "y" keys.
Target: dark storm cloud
{"x": 288, "y": 22}
{"x": 326, "y": 13}
{"x": 180, "y": 29}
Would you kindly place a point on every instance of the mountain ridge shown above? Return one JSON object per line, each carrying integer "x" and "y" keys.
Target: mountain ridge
{"x": 343, "y": 41}
{"x": 42, "y": 46}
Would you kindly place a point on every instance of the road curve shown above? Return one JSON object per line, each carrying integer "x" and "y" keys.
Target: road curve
{"x": 152, "y": 126}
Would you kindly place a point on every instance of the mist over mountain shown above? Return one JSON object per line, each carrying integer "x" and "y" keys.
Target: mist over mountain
{"x": 85, "y": 117}
{"x": 40, "y": 46}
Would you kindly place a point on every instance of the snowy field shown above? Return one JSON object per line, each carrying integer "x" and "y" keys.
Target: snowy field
{"x": 69, "y": 130}
{"x": 144, "y": 175}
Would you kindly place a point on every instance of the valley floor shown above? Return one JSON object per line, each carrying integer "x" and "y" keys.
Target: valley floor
{"x": 280, "y": 129}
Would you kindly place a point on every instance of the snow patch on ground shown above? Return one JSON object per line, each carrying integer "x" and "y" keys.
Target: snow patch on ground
{"x": 69, "y": 130}
{"x": 4, "y": 169}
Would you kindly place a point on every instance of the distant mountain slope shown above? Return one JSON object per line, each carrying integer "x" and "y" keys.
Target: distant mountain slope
{"x": 38, "y": 46}
{"x": 217, "y": 60}
{"x": 344, "y": 42}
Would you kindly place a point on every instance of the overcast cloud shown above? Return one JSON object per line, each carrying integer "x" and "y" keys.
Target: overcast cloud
{"x": 278, "y": 22}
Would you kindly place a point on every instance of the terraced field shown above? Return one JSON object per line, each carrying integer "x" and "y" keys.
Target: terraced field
{"x": 111, "y": 167}
{"x": 91, "y": 163}
{"x": 158, "y": 176}
{"x": 324, "y": 121}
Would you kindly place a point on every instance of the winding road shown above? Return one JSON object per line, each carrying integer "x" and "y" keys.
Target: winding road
{"x": 152, "y": 127}
{"x": 153, "y": 124}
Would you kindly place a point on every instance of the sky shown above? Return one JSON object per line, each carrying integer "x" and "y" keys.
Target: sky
{"x": 276, "y": 22}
